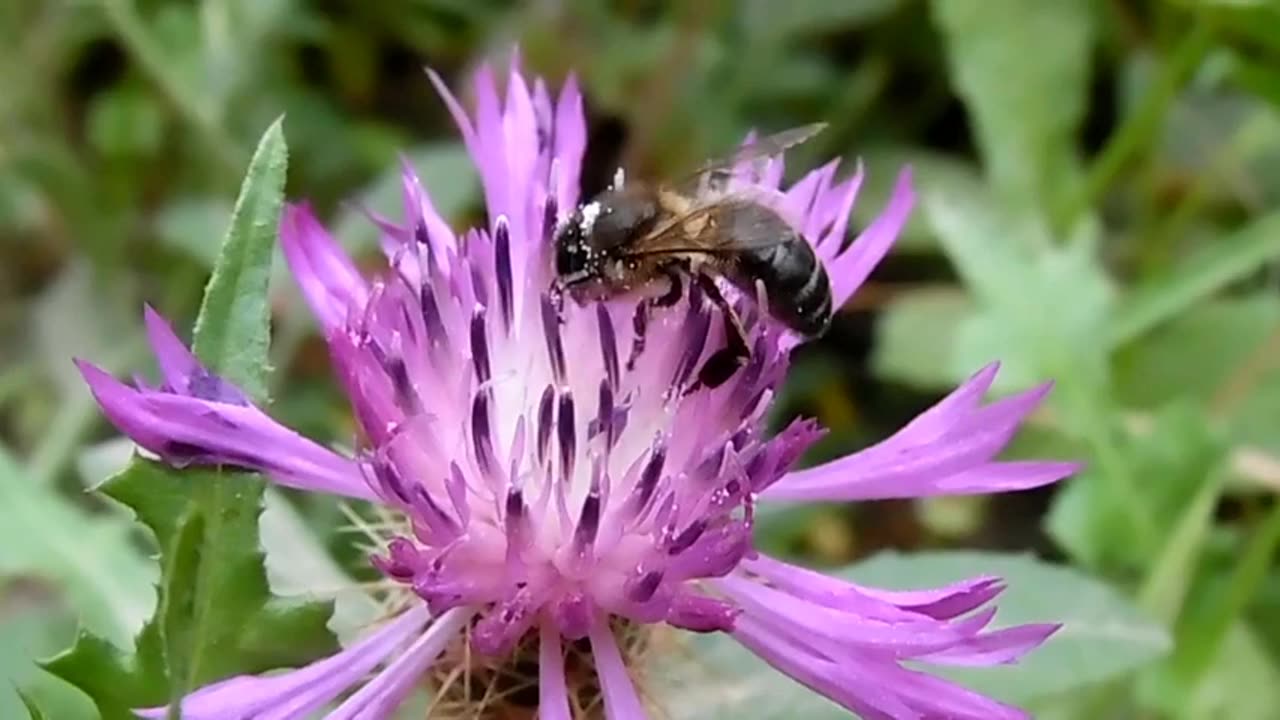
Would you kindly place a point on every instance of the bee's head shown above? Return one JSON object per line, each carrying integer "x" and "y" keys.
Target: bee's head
{"x": 591, "y": 243}
{"x": 576, "y": 258}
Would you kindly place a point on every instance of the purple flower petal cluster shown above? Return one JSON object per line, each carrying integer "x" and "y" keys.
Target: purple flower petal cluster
{"x": 551, "y": 492}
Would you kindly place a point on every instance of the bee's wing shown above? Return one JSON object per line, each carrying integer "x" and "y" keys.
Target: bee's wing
{"x": 715, "y": 172}
{"x": 710, "y": 227}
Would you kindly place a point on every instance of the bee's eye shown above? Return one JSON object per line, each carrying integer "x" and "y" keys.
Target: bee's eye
{"x": 571, "y": 252}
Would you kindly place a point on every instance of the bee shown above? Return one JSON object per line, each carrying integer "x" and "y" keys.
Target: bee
{"x": 634, "y": 236}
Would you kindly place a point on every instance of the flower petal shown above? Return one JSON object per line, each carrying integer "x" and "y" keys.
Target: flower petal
{"x": 570, "y": 143}
{"x": 379, "y": 697}
{"x": 875, "y": 687}
{"x": 297, "y": 693}
{"x": 849, "y": 269}
{"x": 621, "y": 701}
{"x": 329, "y": 280}
{"x": 553, "y": 695}
{"x": 943, "y": 603}
{"x": 183, "y": 374}
{"x": 998, "y": 647}
{"x": 948, "y": 450}
{"x": 189, "y": 430}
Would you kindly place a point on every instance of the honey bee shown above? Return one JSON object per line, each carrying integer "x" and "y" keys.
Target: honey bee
{"x": 633, "y": 236}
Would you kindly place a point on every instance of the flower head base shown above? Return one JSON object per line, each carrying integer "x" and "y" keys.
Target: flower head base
{"x": 552, "y": 492}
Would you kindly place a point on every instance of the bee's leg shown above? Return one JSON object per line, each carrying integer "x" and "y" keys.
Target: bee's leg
{"x": 640, "y": 321}
{"x": 724, "y": 362}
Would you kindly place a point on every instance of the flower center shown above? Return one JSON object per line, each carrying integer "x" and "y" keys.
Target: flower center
{"x": 480, "y": 687}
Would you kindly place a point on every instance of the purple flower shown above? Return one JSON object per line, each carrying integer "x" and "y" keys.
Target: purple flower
{"x": 554, "y": 501}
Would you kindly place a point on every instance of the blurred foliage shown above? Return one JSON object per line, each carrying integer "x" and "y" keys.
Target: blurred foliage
{"x": 1098, "y": 189}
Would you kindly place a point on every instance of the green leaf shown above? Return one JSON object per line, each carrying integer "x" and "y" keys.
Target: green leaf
{"x": 916, "y": 336}
{"x": 117, "y": 681}
{"x": 1171, "y": 462}
{"x": 1104, "y": 636}
{"x": 1019, "y": 278}
{"x": 32, "y": 629}
{"x": 930, "y": 169}
{"x": 91, "y": 557}
{"x": 1198, "y": 277}
{"x": 1243, "y": 683}
{"x": 1218, "y": 353}
{"x": 298, "y": 564}
{"x": 1022, "y": 69}
{"x": 1195, "y": 353}
{"x": 216, "y": 615}
{"x": 234, "y": 326}
{"x": 712, "y": 677}
{"x": 33, "y": 709}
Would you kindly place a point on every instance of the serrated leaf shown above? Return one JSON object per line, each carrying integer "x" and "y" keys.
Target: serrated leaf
{"x": 1022, "y": 69}
{"x": 217, "y": 616}
{"x": 233, "y": 329}
{"x": 298, "y": 564}
{"x": 1018, "y": 278}
{"x": 90, "y": 557}
{"x": 117, "y": 681}
{"x": 1104, "y": 636}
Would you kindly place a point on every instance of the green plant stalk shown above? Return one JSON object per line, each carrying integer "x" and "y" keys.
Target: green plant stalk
{"x": 1253, "y": 134}
{"x": 1243, "y": 586}
{"x": 1089, "y": 420}
{"x": 1143, "y": 125}
{"x": 1164, "y": 589}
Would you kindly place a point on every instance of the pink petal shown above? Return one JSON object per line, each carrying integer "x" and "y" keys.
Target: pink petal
{"x": 379, "y": 697}
{"x": 941, "y": 603}
{"x": 949, "y": 449}
{"x": 553, "y": 696}
{"x": 299, "y": 692}
{"x": 851, "y": 268}
{"x": 188, "y": 430}
{"x": 621, "y": 701}
{"x": 328, "y": 279}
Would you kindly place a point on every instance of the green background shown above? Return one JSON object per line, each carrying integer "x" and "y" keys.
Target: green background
{"x": 1098, "y": 185}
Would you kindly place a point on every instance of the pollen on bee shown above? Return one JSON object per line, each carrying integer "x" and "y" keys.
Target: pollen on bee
{"x": 589, "y": 213}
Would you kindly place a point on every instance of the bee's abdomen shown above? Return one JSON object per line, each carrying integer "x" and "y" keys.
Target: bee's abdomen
{"x": 796, "y": 282}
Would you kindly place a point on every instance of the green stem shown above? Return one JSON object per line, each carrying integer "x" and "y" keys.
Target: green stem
{"x": 1165, "y": 586}
{"x": 1092, "y": 423}
{"x": 1241, "y": 589}
{"x": 1251, "y": 135}
{"x": 1143, "y": 125}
